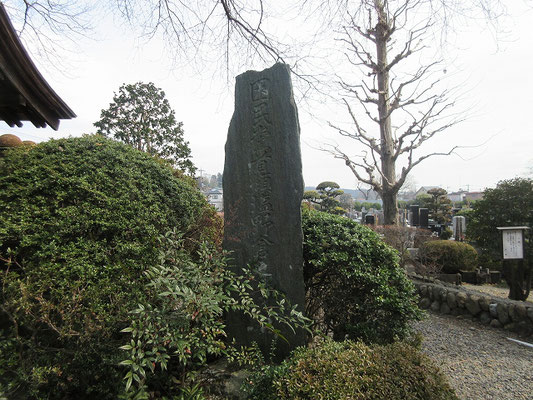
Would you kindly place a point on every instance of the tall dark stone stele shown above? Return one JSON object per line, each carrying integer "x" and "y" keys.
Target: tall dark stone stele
{"x": 263, "y": 189}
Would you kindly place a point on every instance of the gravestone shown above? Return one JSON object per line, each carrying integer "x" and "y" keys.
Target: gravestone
{"x": 263, "y": 190}
{"x": 414, "y": 214}
{"x": 459, "y": 227}
{"x": 370, "y": 219}
{"x": 423, "y": 218}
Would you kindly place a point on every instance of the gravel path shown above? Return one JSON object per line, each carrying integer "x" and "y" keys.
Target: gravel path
{"x": 480, "y": 362}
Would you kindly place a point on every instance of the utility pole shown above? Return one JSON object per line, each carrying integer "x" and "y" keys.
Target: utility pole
{"x": 200, "y": 180}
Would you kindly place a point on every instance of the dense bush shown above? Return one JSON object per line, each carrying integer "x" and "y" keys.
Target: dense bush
{"x": 80, "y": 222}
{"x": 510, "y": 203}
{"x": 354, "y": 285}
{"x": 348, "y": 370}
{"x": 180, "y": 325}
{"x": 449, "y": 256}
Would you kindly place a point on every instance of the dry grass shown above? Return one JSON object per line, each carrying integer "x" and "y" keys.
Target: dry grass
{"x": 496, "y": 290}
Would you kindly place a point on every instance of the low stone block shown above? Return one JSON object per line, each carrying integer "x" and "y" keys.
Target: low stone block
{"x": 444, "y": 309}
{"x": 472, "y": 304}
{"x": 530, "y": 313}
{"x": 450, "y": 300}
{"x": 484, "y": 318}
{"x": 484, "y": 303}
{"x": 461, "y": 299}
{"x": 520, "y": 312}
{"x": 511, "y": 311}
{"x": 435, "y": 306}
{"x": 511, "y": 326}
{"x": 495, "y": 323}
{"x": 423, "y": 291}
{"x": 493, "y": 310}
{"x": 425, "y": 303}
{"x": 503, "y": 313}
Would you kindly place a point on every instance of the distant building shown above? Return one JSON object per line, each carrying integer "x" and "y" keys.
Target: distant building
{"x": 425, "y": 190}
{"x": 457, "y": 196}
{"x": 473, "y": 196}
{"x": 215, "y": 197}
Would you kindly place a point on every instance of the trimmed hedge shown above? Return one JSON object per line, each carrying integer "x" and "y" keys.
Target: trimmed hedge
{"x": 80, "y": 222}
{"x": 348, "y": 370}
{"x": 451, "y": 256}
{"x": 355, "y": 287}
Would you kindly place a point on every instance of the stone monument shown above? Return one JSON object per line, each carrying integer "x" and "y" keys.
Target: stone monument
{"x": 263, "y": 189}
{"x": 459, "y": 227}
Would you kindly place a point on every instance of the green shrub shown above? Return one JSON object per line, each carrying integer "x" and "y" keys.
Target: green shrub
{"x": 80, "y": 222}
{"x": 512, "y": 199}
{"x": 348, "y": 370}
{"x": 354, "y": 285}
{"x": 180, "y": 325}
{"x": 446, "y": 233}
{"x": 449, "y": 256}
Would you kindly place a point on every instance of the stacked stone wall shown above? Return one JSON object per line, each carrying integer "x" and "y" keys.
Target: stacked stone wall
{"x": 497, "y": 312}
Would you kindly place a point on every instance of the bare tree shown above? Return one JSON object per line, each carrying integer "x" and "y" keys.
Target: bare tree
{"x": 226, "y": 25}
{"x": 47, "y": 25}
{"x": 188, "y": 27}
{"x": 406, "y": 107}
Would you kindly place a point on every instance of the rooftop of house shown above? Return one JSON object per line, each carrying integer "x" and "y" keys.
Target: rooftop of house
{"x": 24, "y": 93}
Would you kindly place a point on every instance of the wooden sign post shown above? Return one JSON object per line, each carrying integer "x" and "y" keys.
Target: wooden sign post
{"x": 515, "y": 261}
{"x": 513, "y": 242}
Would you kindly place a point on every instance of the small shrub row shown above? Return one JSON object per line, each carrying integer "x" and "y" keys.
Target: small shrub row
{"x": 448, "y": 256}
{"x": 351, "y": 370}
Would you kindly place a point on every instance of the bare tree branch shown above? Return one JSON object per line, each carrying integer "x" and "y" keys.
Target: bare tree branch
{"x": 417, "y": 101}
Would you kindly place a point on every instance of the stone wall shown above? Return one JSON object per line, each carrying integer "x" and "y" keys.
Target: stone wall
{"x": 445, "y": 298}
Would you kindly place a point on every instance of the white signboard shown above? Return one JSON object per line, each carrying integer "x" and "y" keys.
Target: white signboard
{"x": 513, "y": 244}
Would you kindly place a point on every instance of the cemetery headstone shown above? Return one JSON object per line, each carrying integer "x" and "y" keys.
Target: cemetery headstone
{"x": 370, "y": 219}
{"x": 263, "y": 190}
{"x": 423, "y": 217}
{"x": 414, "y": 213}
{"x": 459, "y": 227}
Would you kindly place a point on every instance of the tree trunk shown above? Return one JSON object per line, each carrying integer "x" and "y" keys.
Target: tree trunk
{"x": 388, "y": 167}
{"x": 518, "y": 278}
{"x": 390, "y": 207}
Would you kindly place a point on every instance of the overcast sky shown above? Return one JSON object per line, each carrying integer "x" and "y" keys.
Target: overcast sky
{"x": 496, "y": 77}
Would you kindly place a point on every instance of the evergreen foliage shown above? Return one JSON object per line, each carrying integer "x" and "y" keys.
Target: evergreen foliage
{"x": 355, "y": 286}
{"x": 510, "y": 203}
{"x": 449, "y": 256}
{"x": 439, "y": 205}
{"x": 180, "y": 325}
{"x": 80, "y": 222}
{"x": 325, "y": 197}
{"x": 141, "y": 116}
